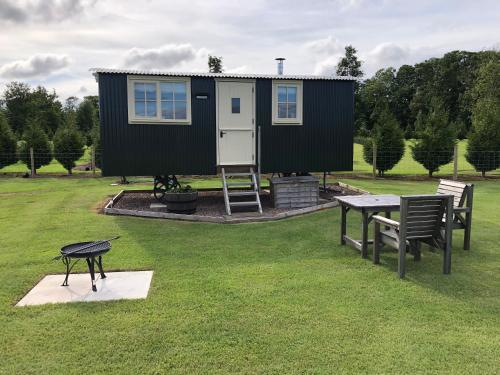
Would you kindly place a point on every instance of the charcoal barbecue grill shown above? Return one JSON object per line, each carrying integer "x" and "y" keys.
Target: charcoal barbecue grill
{"x": 91, "y": 251}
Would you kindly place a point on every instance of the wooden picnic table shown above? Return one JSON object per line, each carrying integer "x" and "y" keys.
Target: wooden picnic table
{"x": 368, "y": 206}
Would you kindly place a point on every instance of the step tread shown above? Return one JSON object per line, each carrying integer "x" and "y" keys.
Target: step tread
{"x": 249, "y": 203}
{"x": 234, "y": 174}
{"x": 239, "y": 183}
{"x": 241, "y": 193}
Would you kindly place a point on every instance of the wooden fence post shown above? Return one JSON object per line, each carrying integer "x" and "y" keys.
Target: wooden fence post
{"x": 32, "y": 162}
{"x": 374, "y": 163}
{"x": 92, "y": 159}
{"x": 455, "y": 162}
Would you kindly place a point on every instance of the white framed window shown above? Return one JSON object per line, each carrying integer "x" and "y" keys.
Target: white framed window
{"x": 162, "y": 100}
{"x": 287, "y": 102}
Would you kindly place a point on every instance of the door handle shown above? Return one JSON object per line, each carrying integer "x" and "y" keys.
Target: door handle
{"x": 222, "y": 133}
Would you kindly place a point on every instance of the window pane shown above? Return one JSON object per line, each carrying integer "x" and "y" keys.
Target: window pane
{"x": 235, "y": 105}
{"x": 150, "y": 91}
{"x": 281, "y": 110}
{"x": 180, "y": 110}
{"x": 167, "y": 110}
{"x": 180, "y": 91}
{"x": 292, "y": 94}
{"x": 167, "y": 91}
{"x": 139, "y": 91}
{"x": 151, "y": 109}
{"x": 281, "y": 94}
{"x": 139, "y": 109}
{"x": 292, "y": 111}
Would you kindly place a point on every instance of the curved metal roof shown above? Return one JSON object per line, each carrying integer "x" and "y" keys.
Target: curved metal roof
{"x": 218, "y": 75}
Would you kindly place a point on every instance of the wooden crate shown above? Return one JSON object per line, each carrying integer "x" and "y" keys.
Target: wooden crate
{"x": 294, "y": 192}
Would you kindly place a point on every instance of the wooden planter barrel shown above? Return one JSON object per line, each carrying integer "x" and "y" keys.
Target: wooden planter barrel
{"x": 181, "y": 203}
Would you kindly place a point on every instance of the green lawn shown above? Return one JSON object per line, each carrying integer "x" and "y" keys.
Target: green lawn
{"x": 280, "y": 297}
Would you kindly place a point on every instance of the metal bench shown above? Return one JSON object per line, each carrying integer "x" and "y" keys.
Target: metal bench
{"x": 462, "y": 205}
{"x": 420, "y": 221}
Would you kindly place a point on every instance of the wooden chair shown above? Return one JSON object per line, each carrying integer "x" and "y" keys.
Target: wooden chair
{"x": 462, "y": 205}
{"x": 420, "y": 221}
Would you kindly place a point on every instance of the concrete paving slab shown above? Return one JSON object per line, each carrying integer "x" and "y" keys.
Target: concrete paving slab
{"x": 116, "y": 285}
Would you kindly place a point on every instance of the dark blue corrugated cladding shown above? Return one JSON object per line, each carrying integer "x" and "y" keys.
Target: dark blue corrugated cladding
{"x": 325, "y": 140}
{"x": 149, "y": 149}
{"x": 323, "y": 143}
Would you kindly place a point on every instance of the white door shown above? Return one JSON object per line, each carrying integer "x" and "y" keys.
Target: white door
{"x": 235, "y": 123}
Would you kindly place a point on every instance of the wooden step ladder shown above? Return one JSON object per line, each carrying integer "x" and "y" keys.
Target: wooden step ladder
{"x": 233, "y": 193}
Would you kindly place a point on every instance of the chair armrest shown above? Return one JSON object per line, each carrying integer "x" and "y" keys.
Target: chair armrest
{"x": 383, "y": 220}
{"x": 461, "y": 209}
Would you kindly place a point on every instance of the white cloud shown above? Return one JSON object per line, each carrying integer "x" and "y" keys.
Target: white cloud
{"x": 35, "y": 66}
{"x": 327, "y": 46}
{"x": 349, "y": 4}
{"x": 386, "y": 55}
{"x": 328, "y": 66}
{"x": 325, "y": 53}
{"x": 239, "y": 69}
{"x": 389, "y": 54}
{"x": 10, "y": 11}
{"x": 164, "y": 57}
{"x": 42, "y": 10}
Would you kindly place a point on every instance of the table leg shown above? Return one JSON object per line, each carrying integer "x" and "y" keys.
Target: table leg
{"x": 364, "y": 234}
{"x": 343, "y": 223}
{"x": 376, "y": 244}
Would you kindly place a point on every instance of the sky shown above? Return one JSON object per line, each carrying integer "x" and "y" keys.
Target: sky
{"x": 54, "y": 43}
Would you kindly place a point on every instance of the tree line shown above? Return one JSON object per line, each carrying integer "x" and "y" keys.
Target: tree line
{"x": 35, "y": 118}
{"x": 434, "y": 103}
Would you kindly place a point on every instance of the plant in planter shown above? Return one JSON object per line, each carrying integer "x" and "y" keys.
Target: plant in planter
{"x": 181, "y": 200}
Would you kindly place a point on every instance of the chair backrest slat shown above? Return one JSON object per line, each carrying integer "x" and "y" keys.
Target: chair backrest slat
{"x": 421, "y": 216}
{"x": 455, "y": 188}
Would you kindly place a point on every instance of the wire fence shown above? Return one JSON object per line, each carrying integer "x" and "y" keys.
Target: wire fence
{"x": 387, "y": 162}
{"x": 452, "y": 162}
{"x": 31, "y": 162}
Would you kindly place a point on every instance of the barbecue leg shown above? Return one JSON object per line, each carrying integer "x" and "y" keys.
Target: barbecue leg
{"x": 99, "y": 264}
{"x": 90, "y": 263}
{"x": 66, "y": 261}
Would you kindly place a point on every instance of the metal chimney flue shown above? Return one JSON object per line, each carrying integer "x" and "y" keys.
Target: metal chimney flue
{"x": 280, "y": 64}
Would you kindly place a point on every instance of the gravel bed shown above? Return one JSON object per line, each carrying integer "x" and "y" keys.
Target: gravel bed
{"x": 211, "y": 203}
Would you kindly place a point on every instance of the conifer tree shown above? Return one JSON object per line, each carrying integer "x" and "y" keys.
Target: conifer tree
{"x": 436, "y": 138}
{"x": 389, "y": 139}
{"x": 34, "y": 137}
{"x": 483, "y": 148}
{"x": 68, "y": 146}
